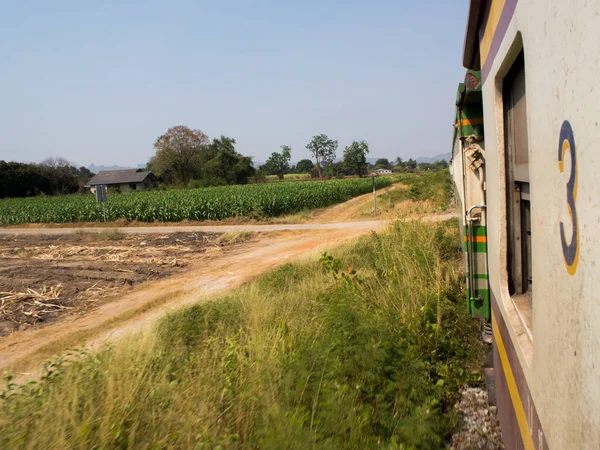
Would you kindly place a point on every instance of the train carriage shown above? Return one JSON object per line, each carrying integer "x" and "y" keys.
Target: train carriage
{"x": 526, "y": 167}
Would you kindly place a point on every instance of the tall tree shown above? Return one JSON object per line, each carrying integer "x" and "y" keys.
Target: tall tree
{"x": 226, "y": 166}
{"x": 355, "y": 157}
{"x": 411, "y": 165}
{"x": 382, "y": 163}
{"x": 84, "y": 174}
{"x": 279, "y": 163}
{"x": 180, "y": 153}
{"x": 304, "y": 166}
{"x": 62, "y": 175}
{"x": 323, "y": 150}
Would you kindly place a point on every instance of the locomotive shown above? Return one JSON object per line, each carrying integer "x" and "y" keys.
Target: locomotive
{"x": 526, "y": 168}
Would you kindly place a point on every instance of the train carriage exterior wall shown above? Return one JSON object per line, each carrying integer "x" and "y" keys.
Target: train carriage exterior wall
{"x": 547, "y": 348}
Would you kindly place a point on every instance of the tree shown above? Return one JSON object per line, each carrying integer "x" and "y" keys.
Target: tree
{"x": 279, "y": 163}
{"x": 56, "y": 163}
{"x": 382, "y": 163}
{"x": 83, "y": 176}
{"x": 23, "y": 180}
{"x": 180, "y": 154}
{"x": 338, "y": 169}
{"x": 304, "y": 166}
{"x": 62, "y": 175}
{"x": 411, "y": 165}
{"x": 53, "y": 176}
{"x": 323, "y": 150}
{"x": 226, "y": 166}
{"x": 355, "y": 157}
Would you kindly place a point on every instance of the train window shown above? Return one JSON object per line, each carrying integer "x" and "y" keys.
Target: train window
{"x": 518, "y": 185}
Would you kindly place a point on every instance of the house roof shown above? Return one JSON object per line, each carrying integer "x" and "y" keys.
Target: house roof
{"x": 119, "y": 177}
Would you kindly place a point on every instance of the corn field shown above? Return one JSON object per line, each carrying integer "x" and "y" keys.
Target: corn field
{"x": 216, "y": 203}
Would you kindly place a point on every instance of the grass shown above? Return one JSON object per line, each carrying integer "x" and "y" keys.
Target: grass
{"x": 413, "y": 195}
{"x": 432, "y": 189}
{"x": 289, "y": 177}
{"x": 234, "y": 237}
{"x": 363, "y": 348}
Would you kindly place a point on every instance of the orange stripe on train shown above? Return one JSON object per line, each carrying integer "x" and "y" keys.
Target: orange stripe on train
{"x": 476, "y": 239}
{"x": 466, "y": 122}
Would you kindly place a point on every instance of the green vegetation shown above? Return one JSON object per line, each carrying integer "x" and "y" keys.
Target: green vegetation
{"x": 279, "y": 163}
{"x": 303, "y": 166}
{"x": 323, "y": 149}
{"x": 433, "y": 188}
{"x": 257, "y": 200}
{"x": 186, "y": 157}
{"x": 355, "y": 157}
{"x": 364, "y": 348}
{"x": 53, "y": 176}
{"x": 290, "y": 177}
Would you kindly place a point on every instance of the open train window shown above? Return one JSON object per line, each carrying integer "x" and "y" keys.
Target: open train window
{"x": 518, "y": 183}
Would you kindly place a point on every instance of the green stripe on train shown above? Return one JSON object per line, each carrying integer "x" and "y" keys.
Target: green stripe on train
{"x": 480, "y": 276}
{"x": 480, "y": 304}
{"x": 477, "y": 230}
{"x": 478, "y": 247}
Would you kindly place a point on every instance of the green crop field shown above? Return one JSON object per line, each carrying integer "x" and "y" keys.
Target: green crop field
{"x": 257, "y": 200}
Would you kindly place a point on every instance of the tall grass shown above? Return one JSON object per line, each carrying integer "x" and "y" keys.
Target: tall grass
{"x": 431, "y": 189}
{"x": 364, "y": 348}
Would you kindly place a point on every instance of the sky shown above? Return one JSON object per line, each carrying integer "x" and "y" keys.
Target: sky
{"x": 98, "y": 82}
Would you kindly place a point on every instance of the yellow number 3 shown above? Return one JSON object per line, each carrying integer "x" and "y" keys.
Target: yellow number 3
{"x": 566, "y": 143}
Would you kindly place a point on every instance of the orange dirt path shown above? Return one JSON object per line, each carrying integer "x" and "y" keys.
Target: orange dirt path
{"x": 210, "y": 274}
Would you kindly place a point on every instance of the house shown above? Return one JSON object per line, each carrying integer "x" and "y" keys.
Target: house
{"x": 124, "y": 180}
{"x": 382, "y": 171}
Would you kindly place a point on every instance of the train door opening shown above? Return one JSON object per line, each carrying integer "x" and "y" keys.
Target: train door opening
{"x": 518, "y": 183}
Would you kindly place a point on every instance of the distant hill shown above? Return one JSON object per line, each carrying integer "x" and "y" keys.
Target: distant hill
{"x": 430, "y": 159}
{"x": 95, "y": 169}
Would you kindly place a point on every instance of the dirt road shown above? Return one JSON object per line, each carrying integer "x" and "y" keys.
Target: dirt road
{"x": 23, "y": 352}
{"x": 358, "y": 226}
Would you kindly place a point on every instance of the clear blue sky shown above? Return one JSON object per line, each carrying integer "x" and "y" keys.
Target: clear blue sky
{"x": 99, "y": 81}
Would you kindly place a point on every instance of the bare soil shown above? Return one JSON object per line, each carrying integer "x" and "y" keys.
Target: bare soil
{"x": 43, "y": 278}
{"x": 209, "y": 273}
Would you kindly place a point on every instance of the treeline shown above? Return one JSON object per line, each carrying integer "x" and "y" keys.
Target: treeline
{"x": 53, "y": 176}
{"x": 324, "y": 152}
{"x": 410, "y": 165}
{"x": 186, "y": 157}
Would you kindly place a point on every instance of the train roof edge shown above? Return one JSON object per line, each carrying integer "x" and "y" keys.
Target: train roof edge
{"x": 471, "y": 59}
